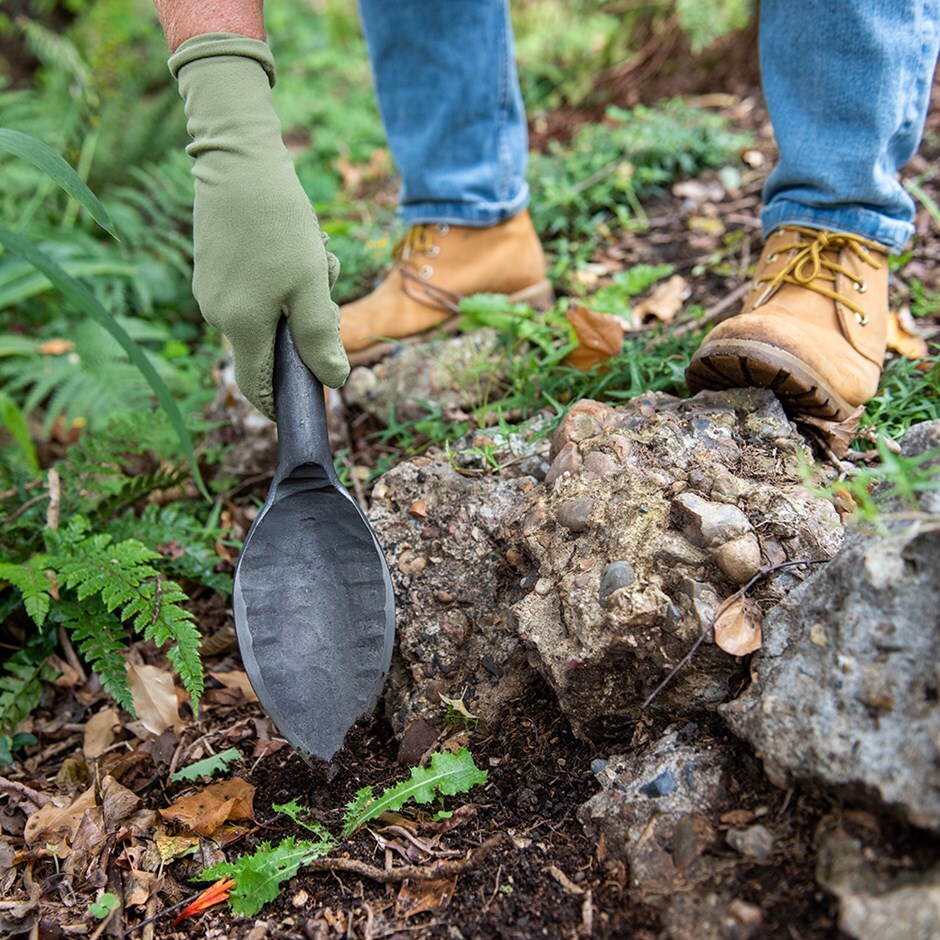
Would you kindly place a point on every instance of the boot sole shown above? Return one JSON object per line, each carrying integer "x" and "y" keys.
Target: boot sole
{"x": 539, "y": 296}
{"x": 742, "y": 363}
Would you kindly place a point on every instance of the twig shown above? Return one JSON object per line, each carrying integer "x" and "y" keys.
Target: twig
{"x": 728, "y": 601}
{"x": 23, "y": 507}
{"x": 163, "y": 913}
{"x": 438, "y": 870}
{"x": 40, "y": 799}
{"x": 52, "y": 510}
{"x": 71, "y": 657}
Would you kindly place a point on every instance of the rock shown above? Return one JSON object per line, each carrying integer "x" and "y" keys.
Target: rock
{"x": 739, "y": 559}
{"x": 871, "y": 906}
{"x": 617, "y": 575}
{"x": 653, "y": 801}
{"x": 651, "y": 481}
{"x": 575, "y": 515}
{"x": 847, "y": 684}
{"x": 440, "y": 372}
{"x": 755, "y": 842}
{"x": 922, "y": 439}
{"x": 602, "y": 576}
{"x": 652, "y": 816}
{"x": 454, "y": 586}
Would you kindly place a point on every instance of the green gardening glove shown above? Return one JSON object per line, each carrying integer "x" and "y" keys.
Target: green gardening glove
{"x": 259, "y": 254}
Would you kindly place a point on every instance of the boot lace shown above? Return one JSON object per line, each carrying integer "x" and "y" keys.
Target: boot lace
{"x": 814, "y": 265}
{"x": 418, "y": 240}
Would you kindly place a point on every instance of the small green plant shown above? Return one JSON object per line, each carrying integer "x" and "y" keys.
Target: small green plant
{"x": 258, "y": 877}
{"x": 897, "y": 481}
{"x": 208, "y": 766}
{"x": 105, "y": 903}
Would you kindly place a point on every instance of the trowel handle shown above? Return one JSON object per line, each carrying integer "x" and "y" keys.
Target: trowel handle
{"x": 302, "y": 430}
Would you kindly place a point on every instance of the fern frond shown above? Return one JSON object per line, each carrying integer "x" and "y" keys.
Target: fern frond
{"x": 102, "y": 639}
{"x": 21, "y": 687}
{"x": 33, "y": 583}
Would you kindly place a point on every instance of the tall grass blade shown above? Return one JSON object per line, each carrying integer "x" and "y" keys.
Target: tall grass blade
{"x": 46, "y": 159}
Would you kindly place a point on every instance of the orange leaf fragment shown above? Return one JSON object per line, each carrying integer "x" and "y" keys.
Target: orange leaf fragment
{"x": 600, "y": 336}
{"x": 903, "y": 337}
{"x": 214, "y": 894}
{"x": 738, "y": 628}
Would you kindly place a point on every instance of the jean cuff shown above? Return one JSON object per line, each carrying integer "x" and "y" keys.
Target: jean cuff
{"x": 857, "y": 221}
{"x": 471, "y": 215}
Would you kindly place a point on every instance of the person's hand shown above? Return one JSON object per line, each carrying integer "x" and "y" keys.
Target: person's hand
{"x": 259, "y": 254}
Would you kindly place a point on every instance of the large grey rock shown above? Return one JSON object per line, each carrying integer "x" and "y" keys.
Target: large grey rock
{"x": 454, "y": 373}
{"x": 848, "y": 680}
{"x": 650, "y": 516}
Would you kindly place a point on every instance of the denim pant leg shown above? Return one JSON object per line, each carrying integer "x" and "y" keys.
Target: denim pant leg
{"x": 448, "y": 91}
{"x": 848, "y": 85}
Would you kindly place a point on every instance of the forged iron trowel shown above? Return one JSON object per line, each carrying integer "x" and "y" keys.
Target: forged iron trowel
{"x": 313, "y": 601}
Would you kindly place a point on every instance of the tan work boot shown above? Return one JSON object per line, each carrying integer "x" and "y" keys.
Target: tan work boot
{"x": 813, "y": 328}
{"x": 435, "y": 267}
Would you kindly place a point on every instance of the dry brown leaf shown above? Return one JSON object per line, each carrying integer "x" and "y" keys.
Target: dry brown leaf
{"x": 56, "y": 347}
{"x": 100, "y": 732}
{"x": 600, "y": 336}
{"x": 903, "y": 337}
{"x": 138, "y": 886}
{"x": 206, "y": 810}
{"x": 117, "y": 802}
{"x": 666, "y": 300}
{"x": 51, "y": 822}
{"x": 738, "y": 628}
{"x": 154, "y": 697}
{"x": 236, "y": 679}
{"x": 836, "y": 435}
{"x": 424, "y": 896}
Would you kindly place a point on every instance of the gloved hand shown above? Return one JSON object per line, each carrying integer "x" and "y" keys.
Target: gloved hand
{"x": 259, "y": 253}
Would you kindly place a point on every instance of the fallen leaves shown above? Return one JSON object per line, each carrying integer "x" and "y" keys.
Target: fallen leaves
{"x": 414, "y": 899}
{"x": 738, "y": 628}
{"x": 100, "y": 733}
{"x": 154, "y": 697}
{"x": 665, "y": 302}
{"x": 236, "y": 679}
{"x": 205, "y": 811}
{"x": 599, "y": 335}
{"x": 903, "y": 337}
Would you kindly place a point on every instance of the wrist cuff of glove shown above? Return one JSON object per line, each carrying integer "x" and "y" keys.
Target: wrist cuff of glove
{"x": 222, "y": 44}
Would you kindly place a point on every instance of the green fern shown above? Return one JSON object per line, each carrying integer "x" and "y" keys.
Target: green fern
{"x": 102, "y": 640}
{"x": 104, "y": 588}
{"x": 34, "y": 584}
{"x": 20, "y": 690}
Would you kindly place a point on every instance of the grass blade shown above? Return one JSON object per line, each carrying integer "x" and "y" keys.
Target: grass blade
{"x": 46, "y": 159}
{"x": 15, "y": 423}
{"x": 88, "y": 304}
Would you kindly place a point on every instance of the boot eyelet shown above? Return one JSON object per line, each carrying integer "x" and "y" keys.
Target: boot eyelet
{"x": 772, "y": 258}
{"x": 861, "y": 286}
{"x": 862, "y": 319}
{"x": 432, "y": 251}
{"x": 442, "y": 227}
{"x": 427, "y": 272}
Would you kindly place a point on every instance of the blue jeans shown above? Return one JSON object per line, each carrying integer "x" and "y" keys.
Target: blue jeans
{"x": 847, "y": 84}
